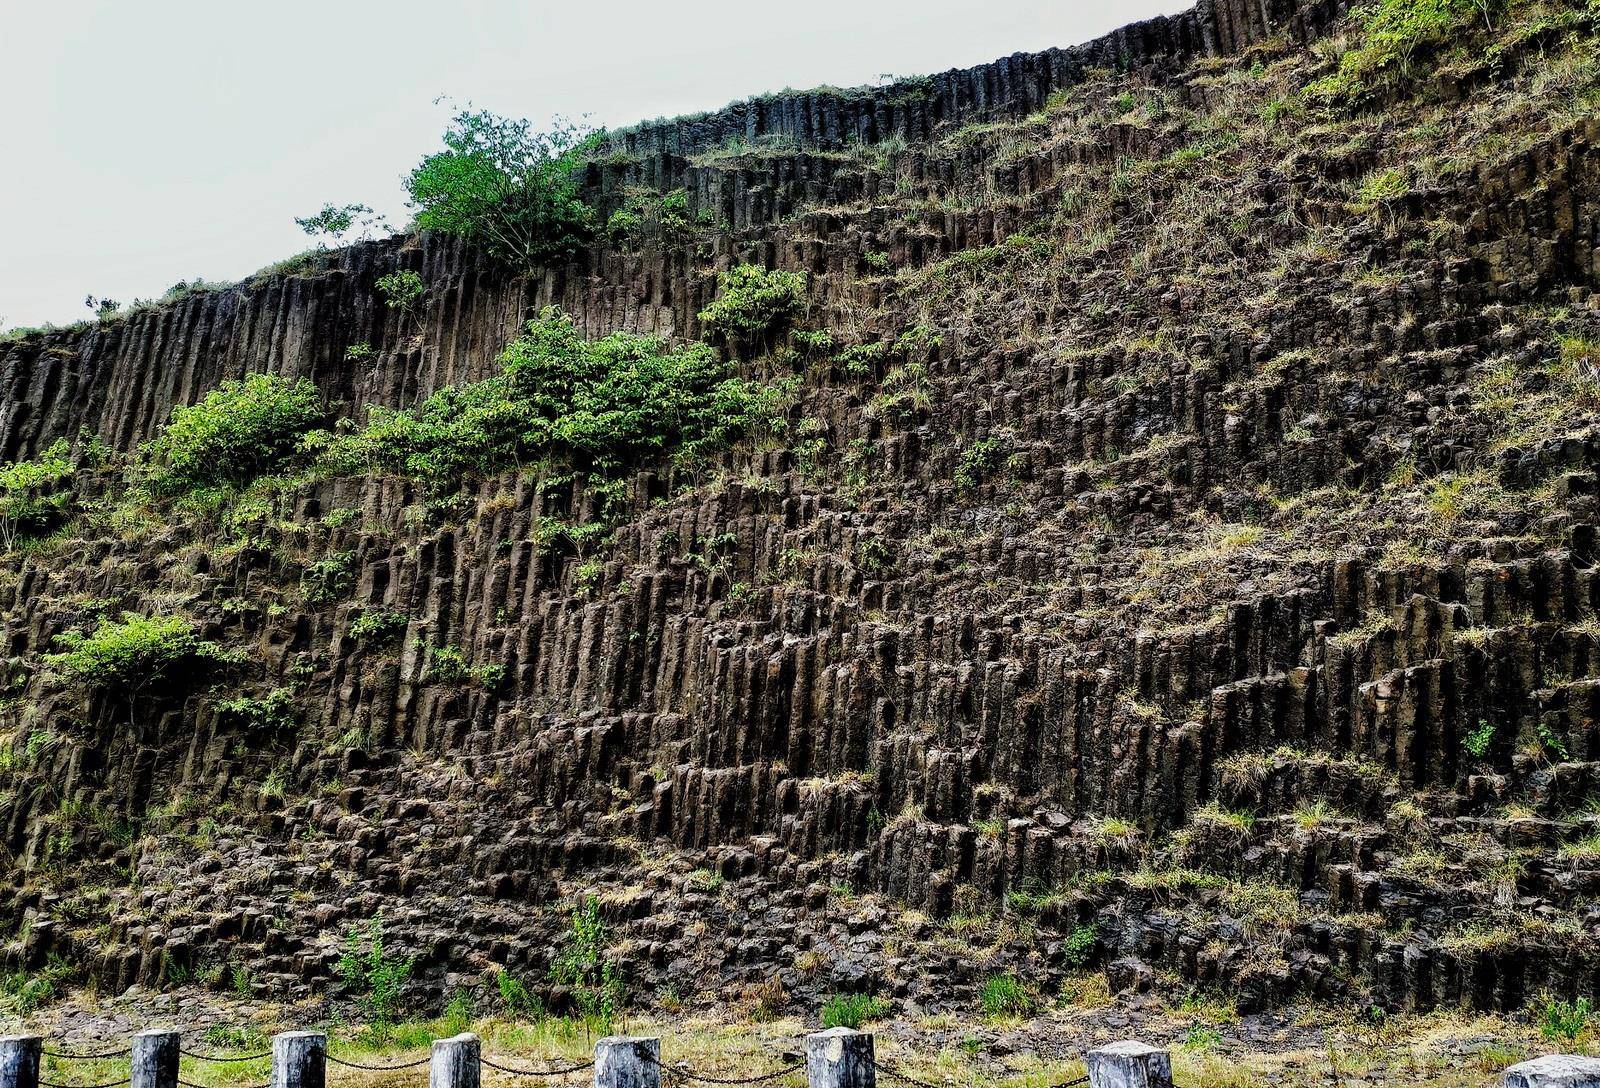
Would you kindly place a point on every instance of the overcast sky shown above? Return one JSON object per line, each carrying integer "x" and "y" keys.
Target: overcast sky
{"x": 158, "y": 141}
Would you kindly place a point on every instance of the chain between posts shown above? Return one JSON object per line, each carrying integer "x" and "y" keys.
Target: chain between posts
{"x": 536, "y": 1072}
{"x": 84, "y": 1057}
{"x": 895, "y": 1074}
{"x": 703, "y": 1078}
{"x": 224, "y": 1057}
{"x": 108, "y": 1084}
{"x": 378, "y": 1068}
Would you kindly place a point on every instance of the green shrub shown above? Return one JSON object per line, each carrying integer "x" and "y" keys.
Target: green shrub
{"x": 650, "y": 218}
{"x": 753, "y": 301}
{"x": 597, "y": 405}
{"x": 852, "y": 1010}
{"x": 583, "y": 966}
{"x": 35, "y": 495}
{"x": 241, "y": 430}
{"x": 400, "y": 290}
{"x": 370, "y": 973}
{"x": 329, "y": 578}
{"x": 1564, "y": 1019}
{"x": 505, "y": 187}
{"x": 1478, "y": 740}
{"x": 129, "y": 655}
{"x": 267, "y": 713}
{"x": 378, "y": 626}
{"x": 1393, "y": 33}
{"x": 1004, "y": 995}
{"x": 515, "y": 997}
{"x": 980, "y": 460}
{"x": 1079, "y": 947}
{"x": 339, "y": 222}
{"x": 450, "y": 666}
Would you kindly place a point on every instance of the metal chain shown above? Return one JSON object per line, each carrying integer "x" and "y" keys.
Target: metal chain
{"x": 690, "y": 1074}
{"x": 84, "y": 1057}
{"x": 224, "y": 1057}
{"x": 897, "y": 1075}
{"x": 537, "y": 1072}
{"x": 108, "y": 1084}
{"x": 377, "y": 1068}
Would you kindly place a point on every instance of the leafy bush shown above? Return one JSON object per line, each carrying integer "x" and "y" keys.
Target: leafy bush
{"x": 267, "y": 713}
{"x": 583, "y": 967}
{"x": 651, "y": 218}
{"x": 130, "y": 655}
{"x": 378, "y": 626}
{"x": 241, "y": 430}
{"x": 596, "y": 404}
{"x": 35, "y": 495}
{"x": 371, "y": 974}
{"x": 506, "y": 187}
{"x": 400, "y": 290}
{"x": 1564, "y": 1019}
{"x": 515, "y": 997}
{"x": 852, "y": 1010}
{"x": 450, "y": 666}
{"x": 1393, "y": 33}
{"x": 337, "y": 222}
{"x": 1080, "y": 944}
{"x": 753, "y": 301}
{"x": 1003, "y": 995}
{"x": 1478, "y": 740}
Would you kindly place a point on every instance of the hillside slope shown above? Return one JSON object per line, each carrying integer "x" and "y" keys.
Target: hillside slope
{"x": 1175, "y": 559}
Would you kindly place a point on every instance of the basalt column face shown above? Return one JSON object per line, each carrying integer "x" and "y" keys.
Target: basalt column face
{"x": 1166, "y": 559}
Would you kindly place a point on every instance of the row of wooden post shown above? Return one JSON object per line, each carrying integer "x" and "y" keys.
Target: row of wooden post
{"x": 837, "y": 1058}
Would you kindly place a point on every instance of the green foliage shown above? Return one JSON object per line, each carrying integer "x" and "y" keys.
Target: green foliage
{"x": 1393, "y": 33}
{"x": 1379, "y": 188}
{"x": 1564, "y": 1020}
{"x": 506, "y": 187}
{"x": 852, "y": 1010}
{"x": 35, "y": 495}
{"x": 1004, "y": 995}
{"x": 582, "y": 965}
{"x": 450, "y": 666}
{"x": 27, "y": 992}
{"x": 105, "y": 309}
{"x": 272, "y": 712}
{"x": 378, "y": 626}
{"x": 980, "y": 460}
{"x": 329, "y": 578}
{"x": 753, "y": 302}
{"x": 400, "y": 289}
{"x": 131, "y": 653}
{"x": 241, "y": 430}
{"x": 1079, "y": 947}
{"x": 597, "y": 405}
{"x": 649, "y": 218}
{"x": 337, "y": 222}
{"x": 1478, "y": 739}
{"x": 372, "y": 975}
{"x": 516, "y": 999}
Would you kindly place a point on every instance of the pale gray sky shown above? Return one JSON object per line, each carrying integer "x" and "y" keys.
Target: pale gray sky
{"x": 157, "y": 141}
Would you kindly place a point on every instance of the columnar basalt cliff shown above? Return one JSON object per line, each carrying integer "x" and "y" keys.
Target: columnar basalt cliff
{"x": 1178, "y": 562}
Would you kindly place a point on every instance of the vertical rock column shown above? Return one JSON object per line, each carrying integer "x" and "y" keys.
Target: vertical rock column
{"x": 455, "y": 1062}
{"x": 19, "y": 1060}
{"x": 623, "y": 1061}
{"x": 299, "y": 1059}
{"x": 840, "y": 1058}
{"x": 1129, "y": 1065}
{"x": 155, "y": 1059}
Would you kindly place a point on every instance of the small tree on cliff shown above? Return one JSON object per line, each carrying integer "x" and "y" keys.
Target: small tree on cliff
{"x": 506, "y": 187}
{"x": 126, "y": 658}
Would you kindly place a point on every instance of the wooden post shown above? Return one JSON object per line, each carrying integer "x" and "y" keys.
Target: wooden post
{"x": 19, "y": 1060}
{"x": 455, "y": 1062}
{"x": 1129, "y": 1065}
{"x": 1555, "y": 1071}
{"x": 299, "y": 1059}
{"x": 841, "y": 1058}
{"x": 624, "y": 1061}
{"x": 155, "y": 1059}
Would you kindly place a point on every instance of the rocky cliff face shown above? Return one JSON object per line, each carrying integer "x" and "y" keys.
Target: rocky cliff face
{"x": 1180, "y": 564}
